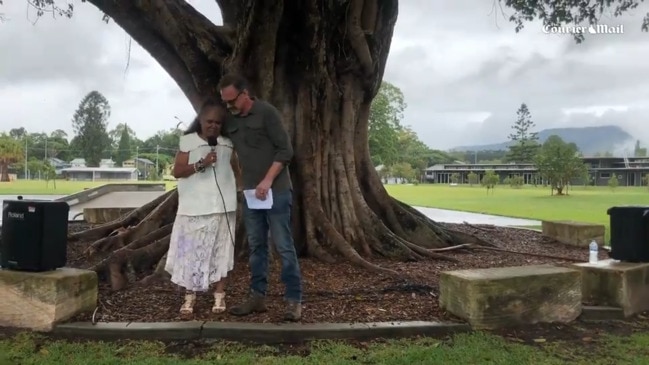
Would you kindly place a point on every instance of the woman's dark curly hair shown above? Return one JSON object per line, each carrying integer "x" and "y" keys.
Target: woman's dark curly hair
{"x": 195, "y": 126}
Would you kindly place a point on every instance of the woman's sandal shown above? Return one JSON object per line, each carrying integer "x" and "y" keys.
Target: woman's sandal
{"x": 219, "y": 303}
{"x": 188, "y": 307}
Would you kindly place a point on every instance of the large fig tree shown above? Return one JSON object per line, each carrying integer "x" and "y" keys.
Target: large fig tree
{"x": 321, "y": 63}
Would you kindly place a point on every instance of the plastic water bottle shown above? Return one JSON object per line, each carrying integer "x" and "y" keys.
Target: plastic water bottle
{"x": 592, "y": 248}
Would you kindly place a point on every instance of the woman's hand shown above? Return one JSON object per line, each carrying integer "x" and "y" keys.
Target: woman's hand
{"x": 210, "y": 159}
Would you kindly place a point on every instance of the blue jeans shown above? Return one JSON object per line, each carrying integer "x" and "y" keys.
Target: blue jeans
{"x": 278, "y": 220}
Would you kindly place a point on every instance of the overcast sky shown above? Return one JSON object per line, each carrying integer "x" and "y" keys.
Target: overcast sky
{"x": 463, "y": 69}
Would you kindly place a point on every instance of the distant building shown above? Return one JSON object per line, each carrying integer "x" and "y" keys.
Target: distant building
{"x": 58, "y": 164}
{"x": 78, "y": 162}
{"x": 100, "y": 173}
{"x": 629, "y": 171}
{"x": 142, "y": 164}
{"x": 106, "y": 162}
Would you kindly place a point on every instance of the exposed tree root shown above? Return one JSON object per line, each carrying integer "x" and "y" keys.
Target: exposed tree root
{"x": 133, "y": 248}
{"x": 469, "y": 246}
{"x": 139, "y": 259}
{"x": 162, "y": 214}
{"x": 158, "y": 274}
{"x": 121, "y": 255}
{"x": 128, "y": 220}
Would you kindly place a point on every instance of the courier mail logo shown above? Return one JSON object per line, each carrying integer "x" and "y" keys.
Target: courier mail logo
{"x": 584, "y": 29}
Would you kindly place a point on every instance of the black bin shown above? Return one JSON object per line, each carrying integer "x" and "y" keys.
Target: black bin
{"x": 629, "y": 233}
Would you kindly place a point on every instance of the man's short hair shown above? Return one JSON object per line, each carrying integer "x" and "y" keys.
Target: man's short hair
{"x": 232, "y": 79}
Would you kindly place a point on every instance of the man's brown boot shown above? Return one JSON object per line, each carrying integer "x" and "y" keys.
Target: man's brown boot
{"x": 293, "y": 311}
{"x": 256, "y": 303}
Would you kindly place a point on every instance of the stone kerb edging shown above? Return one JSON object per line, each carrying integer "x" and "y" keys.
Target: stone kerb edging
{"x": 255, "y": 332}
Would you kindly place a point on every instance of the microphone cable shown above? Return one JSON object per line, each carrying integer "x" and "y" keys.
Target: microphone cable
{"x": 216, "y": 180}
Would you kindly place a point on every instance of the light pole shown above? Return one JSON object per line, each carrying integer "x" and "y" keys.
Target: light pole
{"x": 157, "y": 149}
{"x": 25, "y": 157}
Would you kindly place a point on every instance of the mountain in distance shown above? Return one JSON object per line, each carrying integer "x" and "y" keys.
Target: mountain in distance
{"x": 589, "y": 140}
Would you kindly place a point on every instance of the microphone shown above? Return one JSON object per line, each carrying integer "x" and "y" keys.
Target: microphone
{"x": 212, "y": 142}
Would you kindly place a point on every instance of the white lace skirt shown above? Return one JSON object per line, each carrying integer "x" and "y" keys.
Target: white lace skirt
{"x": 201, "y": 251}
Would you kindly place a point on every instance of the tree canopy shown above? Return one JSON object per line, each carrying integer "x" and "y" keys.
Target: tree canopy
{"x": 11, "y": 151}
{"x": 559, "y": 163}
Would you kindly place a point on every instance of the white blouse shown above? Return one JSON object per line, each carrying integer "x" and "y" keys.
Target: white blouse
{"x": 198, "y": 194}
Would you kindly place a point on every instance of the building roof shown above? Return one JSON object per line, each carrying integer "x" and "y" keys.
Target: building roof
{"x": 100, "y": 169}
{"x": 56, "y": 160}
{"x": 145, "y": 160}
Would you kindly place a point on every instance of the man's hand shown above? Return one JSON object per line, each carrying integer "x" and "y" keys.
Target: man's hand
{"x": 261, "y": 192}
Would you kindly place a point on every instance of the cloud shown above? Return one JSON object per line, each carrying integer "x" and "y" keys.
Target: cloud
{"x": 462, "y": 67}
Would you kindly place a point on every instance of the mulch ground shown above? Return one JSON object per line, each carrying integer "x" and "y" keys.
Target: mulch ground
{"x": 338, "y": 292}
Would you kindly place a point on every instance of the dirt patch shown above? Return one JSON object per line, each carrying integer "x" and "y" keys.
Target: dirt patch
{"x": 335, "y": 292}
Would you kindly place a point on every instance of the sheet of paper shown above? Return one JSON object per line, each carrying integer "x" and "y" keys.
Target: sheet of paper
{"x": 254, "y": 203}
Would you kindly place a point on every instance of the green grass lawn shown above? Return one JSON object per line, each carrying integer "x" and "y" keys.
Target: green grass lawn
{"x": 464, "y": 349}
{"x": 582, "y": 204}
{"x": 40, "y": 187}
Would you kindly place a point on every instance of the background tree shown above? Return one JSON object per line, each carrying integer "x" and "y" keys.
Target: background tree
{"x": 321, "y": 63}
{"x": 403, "y": 171}
{"x": 49, "y": 173}
{"x": 559, "y": 163}
{"x": 18, "y": 133}
{"x": 390, "y": 142}
{"x": 124, "y": 147}
{"x": 586, "y": 178}
{"x": 385, "y": 117}
{"x": 89, "y": 123}
{"x": 116, "y": 133}
{"x": 489, "y": 180}
{"x": 413, "y": 151}
{"x": 613, "y": 182}
{"x": 455, "y": 178}
{"x": 164, "y": 160}
{"x": 516, "y": 181}
{"x": 639, "y": 151}
{"x": 165, "y": 142}
{"x": 524, "y": 141}
{"x": 35, "y": 167}
{"x": 56, "y": 145}
{"x": 11, "y": 151}
{"x": 472, "y": 178}
{"x": 645, "y": 180}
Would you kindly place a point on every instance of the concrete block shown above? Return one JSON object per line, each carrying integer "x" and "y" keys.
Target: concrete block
{"x": 39, "y": 300}
{"x": 616, "y": 284}
{"x": 512, "y": 296}
{"x": 574, "y": 233}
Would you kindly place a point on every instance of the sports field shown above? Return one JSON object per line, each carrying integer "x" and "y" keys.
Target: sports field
{"x": 581, "y": 204}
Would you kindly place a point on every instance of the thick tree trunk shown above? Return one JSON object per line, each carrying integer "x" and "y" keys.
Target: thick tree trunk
{"x": 4, "y": 172}
{"x": 321, "y": 64}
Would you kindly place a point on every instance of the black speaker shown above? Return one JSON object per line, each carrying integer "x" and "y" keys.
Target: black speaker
{"x": 34, "y": 235}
